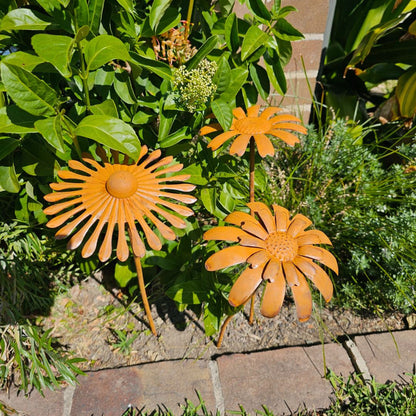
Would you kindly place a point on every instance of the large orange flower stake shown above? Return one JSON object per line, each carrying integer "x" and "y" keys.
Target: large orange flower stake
{"x": 115, "y": 196}
{"x": 254, "y": 128}
{"x": 277, "y": 250}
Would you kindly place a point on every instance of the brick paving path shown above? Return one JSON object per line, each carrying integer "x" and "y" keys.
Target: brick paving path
{"x": 284, "y": 380}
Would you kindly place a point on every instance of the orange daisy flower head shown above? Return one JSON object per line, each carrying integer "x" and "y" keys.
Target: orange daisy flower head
{"x": 278, "y": 251}
{"x": 245, "y": 126}
{"x": 116, "y": 195}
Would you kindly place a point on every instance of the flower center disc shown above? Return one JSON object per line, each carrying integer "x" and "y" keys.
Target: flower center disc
{"x": 121, "y": 184}
{"x": 252, "y": 125}
{"x": 281, "y": 246}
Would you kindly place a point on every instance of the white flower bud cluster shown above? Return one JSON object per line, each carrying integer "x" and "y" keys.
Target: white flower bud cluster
{"x": 195, "y": 87}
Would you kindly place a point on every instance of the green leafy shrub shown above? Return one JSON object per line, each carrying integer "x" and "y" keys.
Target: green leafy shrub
{"x": 364, "y": 203}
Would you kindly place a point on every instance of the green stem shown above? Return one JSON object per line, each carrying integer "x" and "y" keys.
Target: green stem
{"x": 190, "y": 10}
{"x": 84, "y": 77}
{"x": 73, "y": 136}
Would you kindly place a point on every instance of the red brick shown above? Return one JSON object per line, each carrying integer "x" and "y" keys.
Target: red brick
{"x": 311, "y": 17}
{"x": 109, "y": 392}
{"x": 284, "y": 380}
{"x": 307, "y": 50}
{"x": 386, "y": 362}
{"x": 34, "y": 404}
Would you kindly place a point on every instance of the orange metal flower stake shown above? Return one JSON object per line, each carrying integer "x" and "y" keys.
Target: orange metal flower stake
{"x": 252, "y": 129}
{"x": 277, "y": 250}
{"x": 116, "y": 195}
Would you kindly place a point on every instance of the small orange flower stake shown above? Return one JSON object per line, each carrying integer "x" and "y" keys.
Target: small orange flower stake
{"x": 277, "y": 250}
{"x": 257, "y": 127}
{"x": 116, "y": 195}
{"x": 252, "y": 128}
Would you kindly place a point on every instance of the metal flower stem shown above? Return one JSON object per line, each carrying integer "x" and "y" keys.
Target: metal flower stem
{"x": 251, "y": 187}
{"x": 251, "y": 193}
{"x": 138, "y": 264}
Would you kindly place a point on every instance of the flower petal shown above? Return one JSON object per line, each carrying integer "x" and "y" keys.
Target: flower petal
{"x": 269, "y": 111}
{"x": 290, "y": 126}
{"x": 224, "y": 233}
{"x": 303, "y": 299}
{"x": 248, "y": 223}
{"x": 104, "y": 253}
{"x": 312, "y": 237}
{"x": 210, "y": 128}
{"x": 218, "y": 141}
{"x": 240, "y": 144}
{"x": 320, "y": 254}
{"x": 239, "y": 113}
{"x": 265, "y": 215}
{"x": 287, "y": 137}
{"x": 282, "y": 218}
{"x": 271, "y": 270}
{"x": 299, "y": 223}
{"x": 264, "y": 145}
{"x": 259, "y": 258}
{"x": 291, "y": 273}
{"x": 273, "y": 297}
{"x": 317, "y": 275}
{"x": 245, "y": 286}
{"x": 283, "y": 118}
{"x": 253, "y": 111}
{"x": 229, "y": 256}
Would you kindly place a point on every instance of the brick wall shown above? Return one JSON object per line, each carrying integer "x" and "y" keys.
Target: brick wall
{"x": 312, "y": 20}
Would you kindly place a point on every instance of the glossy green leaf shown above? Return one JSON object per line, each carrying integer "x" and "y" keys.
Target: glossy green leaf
{"x": 55, "y": 49}
{"x": 123, "y": 273}
{"x": 253, "y": 39}
{"x": 284, "y": 11}
{"x": 141, "y": 118}
{"x": 238, "y": 78}
{"x": 51, "y": 130}
{"x": 28, "y": 91}
{"x": 208, "y": 46}
{"x": 406, "y": 94}
{"x": 259, "y": 9}
{"x": 176, "y": 137}
{"x": 81, "y": 14}
{"x": 25, "y": 60}
{"x": 159, "y": 68}
{"x": 231, "y": 32}
{"x": 395, "y": 52}
{"x": 50, "y": 5}
{"x": 260, "y": 79}
{"x": 209, "y": 199}
{"x": 223, "y": 113}
{"x": 7, "y": 146}
{"x": 95, "y": 11}
{"x": 107, "y": 107}
{"x": 275, "y": 72}
{"x": 8, "y": 179}
{"x": 285, "y": 31}
{"x": 226, "y": 6}
{"x": 24, "y": 19}
{"x": 103, "y": 49}
{"x": 123, "y": 87}
{"x": 196, "y": 173}
{"x": 157, "y": 11}
{"x": 222, "y": 76}
{"x": 127, "y": 5}
{"x": 190, "y": 292}
{"x": 15, "y": 120}
{"x": 82, "y": 33}
{"x": 111, "y": 132}
{"x": 170, "y": 19}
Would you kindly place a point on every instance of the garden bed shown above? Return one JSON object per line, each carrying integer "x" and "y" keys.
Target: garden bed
{"x": 91, "y": 321}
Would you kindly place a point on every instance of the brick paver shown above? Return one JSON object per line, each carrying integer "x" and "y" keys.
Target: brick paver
{"x": 284, "y": 380}
{"x": 165, "y": 384}
{"x": 389, "y": 356}
{"x": 34, "y": 404}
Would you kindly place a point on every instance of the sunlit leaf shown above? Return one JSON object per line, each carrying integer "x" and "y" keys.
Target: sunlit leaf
{"x": 111, "y": 132}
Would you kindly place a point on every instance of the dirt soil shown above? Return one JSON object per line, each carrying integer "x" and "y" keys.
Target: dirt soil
{"x": 91, "y": 321}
